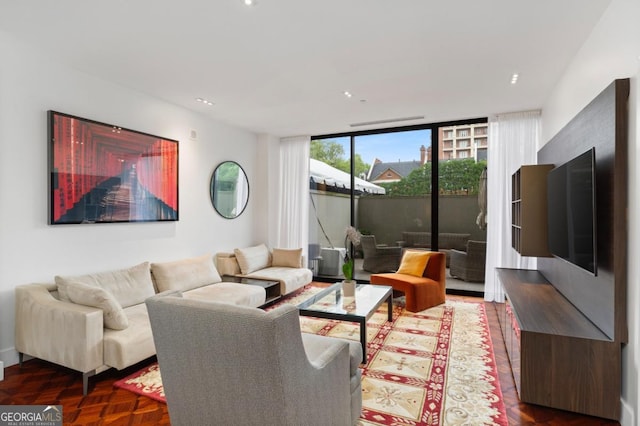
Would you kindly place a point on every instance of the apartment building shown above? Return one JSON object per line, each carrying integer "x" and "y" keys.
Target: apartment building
{"x": 468, "y": 141}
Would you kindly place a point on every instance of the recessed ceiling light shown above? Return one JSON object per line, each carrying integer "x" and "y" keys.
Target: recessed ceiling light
{"x": 204, "y": 101}
{"x": 347, "y": 94}
{"x": 250, "y": 2}
{"x": 514, "y": 78}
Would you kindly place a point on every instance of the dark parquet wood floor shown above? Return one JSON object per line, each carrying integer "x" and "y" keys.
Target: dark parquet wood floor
{"x": 38, "y": 382}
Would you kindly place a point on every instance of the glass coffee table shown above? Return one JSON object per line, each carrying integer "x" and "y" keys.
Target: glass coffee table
{"x": 330, "y": 304}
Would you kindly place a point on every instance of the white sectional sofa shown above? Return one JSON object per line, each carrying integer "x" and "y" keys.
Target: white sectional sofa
{"x": 285, "y": 266}
{"x": 94, "y": 322}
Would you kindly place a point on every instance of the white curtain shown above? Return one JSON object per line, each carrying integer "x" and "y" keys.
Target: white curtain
{"x": 513, "y": 142}
{"x": 293, "y": 204}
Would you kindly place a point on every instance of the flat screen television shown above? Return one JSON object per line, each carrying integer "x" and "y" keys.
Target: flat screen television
{"x": 571, "y": 211}
{"x": 101, "y": 173}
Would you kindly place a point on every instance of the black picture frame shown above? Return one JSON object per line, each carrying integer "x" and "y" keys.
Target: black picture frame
{"x": 101, "y": 173}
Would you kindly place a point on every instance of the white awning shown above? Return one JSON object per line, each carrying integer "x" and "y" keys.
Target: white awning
{"x": 323, "y": 173}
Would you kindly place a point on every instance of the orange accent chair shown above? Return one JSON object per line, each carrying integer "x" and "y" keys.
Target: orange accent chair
{"x": 420, "y": 292}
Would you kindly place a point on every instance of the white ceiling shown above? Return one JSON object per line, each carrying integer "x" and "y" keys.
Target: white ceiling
{"x": 281, "y": 67}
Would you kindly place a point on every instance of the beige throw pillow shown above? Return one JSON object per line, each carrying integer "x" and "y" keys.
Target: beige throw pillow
{"x": 185, "y": 274}
{"x": 252, "y": 259}
{"x": 287, "y": 258}
{"x": 112, "y": 313}
{"x": 128, "y": 286}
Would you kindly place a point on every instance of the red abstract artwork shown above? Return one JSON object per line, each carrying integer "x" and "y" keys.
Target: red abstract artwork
{"x": 101, "y": 173}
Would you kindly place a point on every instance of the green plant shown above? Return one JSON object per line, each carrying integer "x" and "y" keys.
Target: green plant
{"x": 347, "y": 268}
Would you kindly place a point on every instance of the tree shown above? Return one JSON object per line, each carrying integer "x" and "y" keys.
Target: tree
{"x": 454, "y": 175}
{"x": 332, "y": 153}
{"x": 327, "y": 151}
{"x": 227, "y": 172}
{"x": 461, "y": 175}
{"x": 418, "y": 182}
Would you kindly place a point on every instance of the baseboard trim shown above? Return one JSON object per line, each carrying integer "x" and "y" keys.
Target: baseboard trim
{"x": 8, "y": 357}
{"x": 627, "y": 417}
{"x": 460, "y": 292}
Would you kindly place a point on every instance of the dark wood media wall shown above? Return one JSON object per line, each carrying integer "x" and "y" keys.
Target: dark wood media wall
{"x": 563, "y": 326}
{"x": 601, "y": 124}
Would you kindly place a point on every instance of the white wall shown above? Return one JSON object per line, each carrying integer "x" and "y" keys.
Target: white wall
{"x": 631, "y": 354}
{"x": 32, "y": 251}
{"x": 612, "y": 51}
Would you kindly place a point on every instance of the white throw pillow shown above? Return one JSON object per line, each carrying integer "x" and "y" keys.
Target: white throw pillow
{"x": 185, "y": 274}
{"x": 129, "y": 286}
{"x": 287, "y": 258}
{"x": 252, "y": 259}
{"x": 112, "y": 313}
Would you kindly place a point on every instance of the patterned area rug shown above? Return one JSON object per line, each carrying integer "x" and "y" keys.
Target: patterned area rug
{"x": 435, "y": 367}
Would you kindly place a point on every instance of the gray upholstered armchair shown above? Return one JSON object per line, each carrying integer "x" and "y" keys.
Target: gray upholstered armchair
{"x": 469, "y": 265}
{"x": 229, "y": 364}
{"x": 379, "y": 258}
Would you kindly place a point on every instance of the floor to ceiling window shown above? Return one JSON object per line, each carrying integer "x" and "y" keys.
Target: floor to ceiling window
{"x": 382, "y": 182}
{"x": 462, "y": 203}
{"x": 330, "y": 209}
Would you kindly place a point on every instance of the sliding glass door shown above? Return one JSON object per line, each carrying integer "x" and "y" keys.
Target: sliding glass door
{"x": 331, "y": 203}
{"x": 383, "y": 183}
{"x": 462, "y": 209}
{"x": 399, "y": 164}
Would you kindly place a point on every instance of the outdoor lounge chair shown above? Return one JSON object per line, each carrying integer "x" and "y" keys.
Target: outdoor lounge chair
{"x": 379, "y": 258}
{"x": 469, "y": 265}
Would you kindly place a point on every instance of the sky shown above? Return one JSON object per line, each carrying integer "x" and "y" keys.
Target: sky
{"x": 390, "y": 147}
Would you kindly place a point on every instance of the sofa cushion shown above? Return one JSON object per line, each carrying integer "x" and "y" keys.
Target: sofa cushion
{"x": 254, "y": 258}
{"x": 414, "y": 262}
{"x": 288, "y": 258}
{"x": 123, "y": 348}
{"x": 234, "y": 293}
{"x": 128, "y": 286}
{"x": 97, "y": 297}
{"x": 290, "y": 279}
{"x": 185, "y": 274}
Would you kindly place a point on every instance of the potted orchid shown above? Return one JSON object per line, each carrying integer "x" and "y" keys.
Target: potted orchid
{"x": 352, "y": 237}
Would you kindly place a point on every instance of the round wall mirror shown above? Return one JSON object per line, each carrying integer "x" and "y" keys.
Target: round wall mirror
{"x": 229, "y": 189}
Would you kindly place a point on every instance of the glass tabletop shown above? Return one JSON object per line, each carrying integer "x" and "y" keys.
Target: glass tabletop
{"x": 331, "y": 300}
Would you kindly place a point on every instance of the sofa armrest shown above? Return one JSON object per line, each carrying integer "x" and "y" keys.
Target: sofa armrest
{"x": 388, "y": 251}
{"x": 64, "y": 333}
{"x": 459, "y": 255}
{"x": 313, "y": 368}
